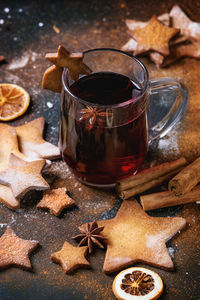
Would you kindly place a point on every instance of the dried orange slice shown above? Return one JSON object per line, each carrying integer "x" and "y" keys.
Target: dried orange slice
{"x": 137, "y": 283}
{"x": 14, "y": 101}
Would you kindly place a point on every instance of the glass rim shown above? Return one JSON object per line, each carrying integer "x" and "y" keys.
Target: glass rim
{"x": 122, "y": 104}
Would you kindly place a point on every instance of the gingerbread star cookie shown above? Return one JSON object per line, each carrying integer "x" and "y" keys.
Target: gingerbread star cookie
{"x": 15, "y": 251}
{"x": 56, "y": 200}
{"x": 187, "y": 27}
{"x": 132, "y": 24}
{"x": 63, "y": 59}
{"x": 154, "y": 36}
{"x": 23, "y": 176}
{"x": 71, "y": 258}
{"x": 133, "y": 236}
{"x": 32, "y": 143}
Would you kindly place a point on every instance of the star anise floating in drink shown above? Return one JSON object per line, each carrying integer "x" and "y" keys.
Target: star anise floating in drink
{"x": 93, "y": 115}
{"x": 90, "y": 235}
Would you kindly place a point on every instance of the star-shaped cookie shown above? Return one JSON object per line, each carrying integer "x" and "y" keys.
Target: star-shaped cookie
{"x": 154, "y": 36}
{"x": 187, "y": 27}
{"x": 23, "y": 176}
{"x": 133, "y": 236}
{"x": 71, "y": 258}
{"x": 15, "y": 251}
{"x": 56, "y": 200}
{"x": 73, "y": 61}
{"x": 32, "y": 143}
{"x": 52, "y": 78}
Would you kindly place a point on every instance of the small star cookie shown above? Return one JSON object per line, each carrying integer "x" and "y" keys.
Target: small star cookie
{"x": 71, "y": 258}
{"x": 52, "y": 78}
{"x": 56, "y": 200}
{"x": 15, "y": 251}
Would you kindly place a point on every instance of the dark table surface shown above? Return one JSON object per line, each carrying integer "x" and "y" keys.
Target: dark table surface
{"x": 26, "y": 34}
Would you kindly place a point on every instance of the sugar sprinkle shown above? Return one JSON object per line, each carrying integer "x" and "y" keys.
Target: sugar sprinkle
{"x": 20, "y": 62}
{"x": 49, "y": 104}
{"x": 40, "y": 24}
{"x": 6, "y": 10}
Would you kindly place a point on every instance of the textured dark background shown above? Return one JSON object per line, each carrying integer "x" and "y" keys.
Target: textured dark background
{"x": 26, "y": 34}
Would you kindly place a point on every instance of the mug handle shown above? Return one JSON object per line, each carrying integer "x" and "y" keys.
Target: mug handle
{"x": 168, "y": 100}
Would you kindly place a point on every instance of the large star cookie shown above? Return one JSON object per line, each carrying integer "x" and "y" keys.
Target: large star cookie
{"x": 15, "y": 251}
{"x": 154, "y": 36}
{"x": 56, "y": 200}
{"x": 71, "y": 258}
{"x": 133, "y": 236}
{"x": 23, "y": 176}
{"x": 32, "y": 143}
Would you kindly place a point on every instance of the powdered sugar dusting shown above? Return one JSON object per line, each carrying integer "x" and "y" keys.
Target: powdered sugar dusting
{"x": 171, "y": 251}
{"x": 169, "y": 144}
{"x": 152, "y": 240}
{"x": 20, "y": 62}
{"x": 2, "y": 225}
{"x": 23, "y": 60}
{"x": 194, "y": 27}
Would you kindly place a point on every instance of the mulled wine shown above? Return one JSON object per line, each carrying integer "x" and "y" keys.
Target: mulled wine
{"x": 105, "y": 138}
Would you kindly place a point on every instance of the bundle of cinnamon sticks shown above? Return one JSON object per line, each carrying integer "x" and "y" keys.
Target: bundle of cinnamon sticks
{"x": 182, "y": 188}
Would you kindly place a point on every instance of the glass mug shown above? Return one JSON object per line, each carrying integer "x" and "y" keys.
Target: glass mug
{"x": 104, "y": 129}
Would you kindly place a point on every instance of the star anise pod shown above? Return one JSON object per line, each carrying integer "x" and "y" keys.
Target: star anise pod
{"x": 90, "y": 234}
{"x": 92, "y": 115}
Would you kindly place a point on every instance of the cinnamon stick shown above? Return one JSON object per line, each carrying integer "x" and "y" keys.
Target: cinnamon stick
{"x": 188, "y": 178}
{"x": 165, "y": 199}
{"x": 151, "y": 173}
{"x": 148, "y": 178}
{"x": 140, "y": 188}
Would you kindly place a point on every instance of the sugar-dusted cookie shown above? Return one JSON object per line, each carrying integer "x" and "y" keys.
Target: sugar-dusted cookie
{"x": 23, "y": 176}
{"x": 71, "y": 258}
{"x": 32, "y": 143}
{"x": 187, "y": 27}
{"x": 56, "y": 200}
{"x": 133, "y": 236}
{"x": 15, "y": 251}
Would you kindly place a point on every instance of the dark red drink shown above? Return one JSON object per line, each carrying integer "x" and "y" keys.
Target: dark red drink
{"x": 103, "y": 144}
